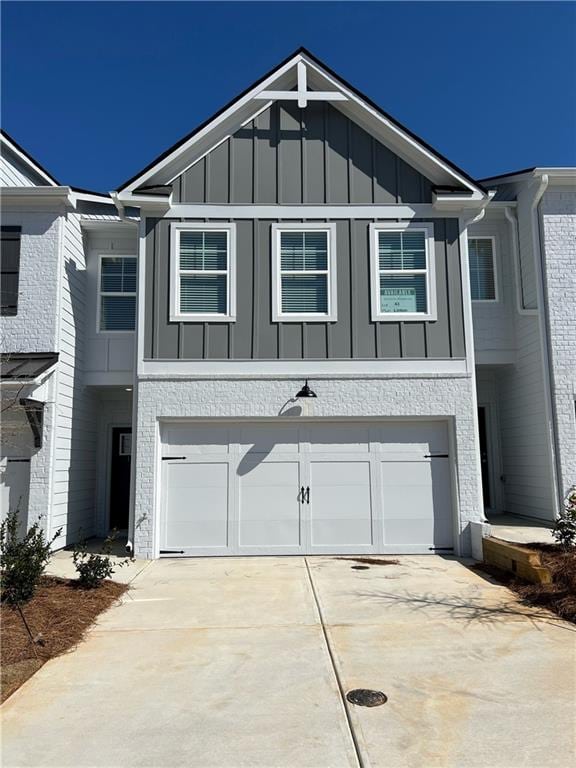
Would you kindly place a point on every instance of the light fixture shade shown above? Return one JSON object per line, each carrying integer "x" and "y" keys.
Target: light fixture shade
{"x": 306, "y": 391}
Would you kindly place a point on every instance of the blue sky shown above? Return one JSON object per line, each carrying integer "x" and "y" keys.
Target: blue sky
{"x": 95, "y": 91}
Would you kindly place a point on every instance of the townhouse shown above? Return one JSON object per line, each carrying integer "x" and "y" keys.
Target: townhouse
{"x": 299, "y": 330}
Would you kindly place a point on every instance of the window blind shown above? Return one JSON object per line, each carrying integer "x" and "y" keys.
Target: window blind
{"x": 304, "y": 272}
{"x": 203, "y": 294}
{"x": 203, "y": 250}
{"x": 402, "y": 250}
{"x": 117, "y": 293}
{"x": 402, "y": 271}
{"x": 203, "y": 272}
{"x": 482, "y": 277}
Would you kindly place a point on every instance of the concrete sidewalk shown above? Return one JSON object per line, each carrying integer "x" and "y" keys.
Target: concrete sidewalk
{"x": 225, "y": 662}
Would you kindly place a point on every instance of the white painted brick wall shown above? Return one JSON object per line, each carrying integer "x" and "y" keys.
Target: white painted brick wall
{"x": 264, "y": 397}
{"x": 33, "y": 329}
{"x": 559, "y": 234}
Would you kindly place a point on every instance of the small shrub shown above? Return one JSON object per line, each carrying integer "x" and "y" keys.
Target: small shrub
{"x": 94, "y": 567}
{"x": 565, "y": 527}
{"x": 22, "y": 560}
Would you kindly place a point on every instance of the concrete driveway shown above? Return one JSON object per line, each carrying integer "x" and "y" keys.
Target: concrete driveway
{"x": 243, "y": 661}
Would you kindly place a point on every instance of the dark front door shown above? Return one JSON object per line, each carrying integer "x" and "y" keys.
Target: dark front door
{"x": 482, "y": 427}
{"x": 120, "y": 477}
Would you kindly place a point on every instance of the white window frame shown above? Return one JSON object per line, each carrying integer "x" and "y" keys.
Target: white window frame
{"x": 304, "y": 317}
{"x": 494, "y": 269}
{"x": 102, "y": 293}
{"x": 176, "y": 315}
{"x": 430, "y": 271}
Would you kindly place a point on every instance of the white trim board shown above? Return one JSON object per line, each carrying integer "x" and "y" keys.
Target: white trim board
{"x": 213, "y": 211}
{"x": 172, "y": 369}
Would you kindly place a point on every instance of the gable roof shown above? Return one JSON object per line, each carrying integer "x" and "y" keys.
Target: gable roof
{"x": 357, "y": 106}
{"x": 557, "y": 172}
{"x": 29, "y": 162}
{"x": 7, "y": 141}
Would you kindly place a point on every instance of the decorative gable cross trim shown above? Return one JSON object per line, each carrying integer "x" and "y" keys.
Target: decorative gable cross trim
{"x": 302, "y": 94}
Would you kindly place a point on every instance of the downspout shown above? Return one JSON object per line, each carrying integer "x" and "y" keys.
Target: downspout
{"x": 544, "y": 324}
{"x": 513, "y": 222}
{"x": 130, "y": 542}
{"x": 469, "y": 330}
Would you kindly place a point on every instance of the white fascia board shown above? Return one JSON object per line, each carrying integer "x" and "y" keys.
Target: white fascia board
{"x": 560, "y": 176}
{"x": 36, "y": 197}
{"x": 117, "y": 226}
{"x": 209, "y": 211}
{"x": 27, "y": 161}
{"x": 153, "y": 206}
{"x": 567, "y": 173}
{"x": 175, "y": 369}
{"x": 457, "y": 202}
{"x": 36, "y": 192}
{"x": 394, "y": 129}
{"x": 91, "y": 197}
{"x": 222, "y": 121}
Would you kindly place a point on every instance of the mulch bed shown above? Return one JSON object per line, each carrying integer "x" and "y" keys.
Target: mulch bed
{"x": 558, "y": 597}
{"x": 58, "y": 616}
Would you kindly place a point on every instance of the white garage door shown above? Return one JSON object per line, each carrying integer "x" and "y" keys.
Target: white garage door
{"x": 273, "y": 488}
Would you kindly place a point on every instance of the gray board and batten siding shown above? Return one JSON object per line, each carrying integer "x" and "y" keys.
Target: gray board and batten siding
{"x": 312, "y": 156}
{"x": 254, "y": 336}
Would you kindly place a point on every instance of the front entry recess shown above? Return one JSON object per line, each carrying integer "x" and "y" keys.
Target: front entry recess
{"x": 120, "y": 477}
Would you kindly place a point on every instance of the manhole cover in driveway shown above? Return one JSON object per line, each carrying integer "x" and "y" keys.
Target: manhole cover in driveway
{"x": 360, "y": 567}
{"x": 364, "y": 697}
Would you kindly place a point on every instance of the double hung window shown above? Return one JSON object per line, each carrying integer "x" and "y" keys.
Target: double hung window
{"x": 304, "y": 272}
{"x": 403, "y": 279}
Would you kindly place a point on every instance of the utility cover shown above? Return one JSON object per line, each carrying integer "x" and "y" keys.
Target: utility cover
{"x": 364, "y": 697}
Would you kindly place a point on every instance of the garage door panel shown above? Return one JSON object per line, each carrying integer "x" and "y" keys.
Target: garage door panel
{"x": 416, "y": 503}
{"x": 199, "y": 439}
{"x": 414, "y": 437}
{"x": 341, "y": 505}
{"x": 197, "y": 505}
{"x": 268, "y": 439}
{"x": 269, "y": 506}
{"x": 338, "y": 438}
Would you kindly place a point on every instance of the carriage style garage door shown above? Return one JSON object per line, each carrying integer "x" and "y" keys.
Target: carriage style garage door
{"x": 278, "y": 488}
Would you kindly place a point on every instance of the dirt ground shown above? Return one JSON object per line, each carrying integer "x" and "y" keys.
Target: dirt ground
{"x": 57, "y": 617}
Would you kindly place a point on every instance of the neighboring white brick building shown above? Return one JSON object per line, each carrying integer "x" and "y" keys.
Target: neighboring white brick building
{"x": 558, "y": 216}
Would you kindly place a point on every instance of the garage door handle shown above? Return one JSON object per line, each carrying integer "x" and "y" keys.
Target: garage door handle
{"x": 436, "y": 456}
{"x": 302, "y": 495}
{"x": 307, "y": 494}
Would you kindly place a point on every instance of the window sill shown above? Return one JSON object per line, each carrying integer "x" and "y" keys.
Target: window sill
{"x": 193, "y": 318}
{"x": 304, "y": 318}
{"x": 115, "y": 333}
{"x": 401, "y": 317}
